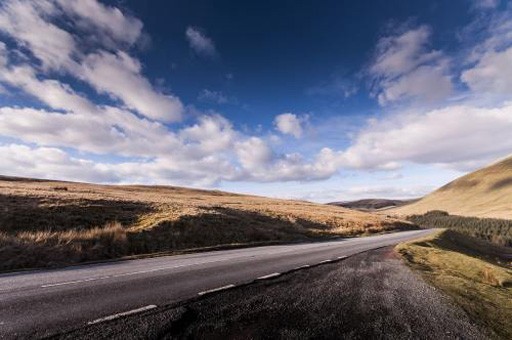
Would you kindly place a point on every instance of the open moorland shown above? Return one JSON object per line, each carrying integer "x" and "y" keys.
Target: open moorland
{"x": 483, "y": 193}
{"x": 53, "y": 223}
{"x": 373, "y": 204}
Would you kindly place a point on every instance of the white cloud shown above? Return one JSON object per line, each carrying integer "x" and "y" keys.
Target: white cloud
{"x": 290, "y": 124}
{"x": 492, "y": 75}
{"x": 120, "y": 76}
{"x": 49, "y": 91}
{"x": 28, "y": 22}
{"x": 453, "y": 135}
{"x": 405, "y": 68}
{"x": 200, "y": 43}
{"x": 89, "y": 43}
{"x": 212, "y": 97}
{"x": 51, "y": 163}
{"x": 109, "y": 20}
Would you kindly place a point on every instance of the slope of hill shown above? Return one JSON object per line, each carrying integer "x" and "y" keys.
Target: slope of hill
{"x": 483, "y": 193}
{"x": 372, "y": 204}
{"x": 52, "y": 223}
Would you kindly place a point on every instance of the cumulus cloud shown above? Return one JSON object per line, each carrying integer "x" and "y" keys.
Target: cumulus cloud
{"x": 404, "y": 68}
{"x": 32, "y": 25}
{"x": 290, "y": 124}
{"x": 452, "y": 135}
{"x": 51, "y": 163}
{"x": 91, "y": 44}
{"x": 490, "y": 63}
{"x": 29, "y": 23}
{"x": 120, "y": 76}
{"x": 200, "y": 43}
{"x": 492, "y": 75}
{"x": 103, "y": 20}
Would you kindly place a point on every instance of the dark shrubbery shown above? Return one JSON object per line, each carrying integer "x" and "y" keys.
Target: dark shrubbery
{"x": 495, "y": 230}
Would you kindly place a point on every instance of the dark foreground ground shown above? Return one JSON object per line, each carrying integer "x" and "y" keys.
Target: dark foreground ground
{"x": 370, "y": 295}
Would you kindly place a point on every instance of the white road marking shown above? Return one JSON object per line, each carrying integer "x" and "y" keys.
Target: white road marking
{"x": 341, "y": 257}
{"x": 66, "y": 283}
{"x": 125, "y": 274}
{"x": 325, "y": 261}
{"x": 302, "y": 267}
{"x": 269, "y": 276}
{"x": 118, "y": 315}
{"x": 216, "y": 289}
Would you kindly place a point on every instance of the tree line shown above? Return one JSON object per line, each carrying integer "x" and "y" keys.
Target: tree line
{"x": 495, "y": 230}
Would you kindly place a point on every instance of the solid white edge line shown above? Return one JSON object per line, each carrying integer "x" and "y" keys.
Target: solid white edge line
{"x": 269, "y": 276}
{"x": 118, "y": 315}
{"x": 216, "y": 289}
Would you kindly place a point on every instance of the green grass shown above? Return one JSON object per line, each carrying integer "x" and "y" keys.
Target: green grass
{"x": 498, "y": 231}
{"x": 475, "y": 273}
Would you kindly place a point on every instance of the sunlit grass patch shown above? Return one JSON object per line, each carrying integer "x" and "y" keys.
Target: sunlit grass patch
{"x": 476, "y": 274}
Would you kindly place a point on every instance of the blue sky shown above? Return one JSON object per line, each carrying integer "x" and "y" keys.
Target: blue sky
{"x": 330, "y": 100}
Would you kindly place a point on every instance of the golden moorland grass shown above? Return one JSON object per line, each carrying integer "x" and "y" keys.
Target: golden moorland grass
{"x": 483, "y": 193}
{"x": 475, "y": 273}
{"x": 46, "y": 223}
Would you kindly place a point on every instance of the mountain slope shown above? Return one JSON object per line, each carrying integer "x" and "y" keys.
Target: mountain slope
{"x": 484, "y": 193}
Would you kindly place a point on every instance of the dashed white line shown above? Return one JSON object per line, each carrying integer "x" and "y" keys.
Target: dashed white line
{"x": 302, "y": 267}
{"x": 269, "y": 276}
{"x": 341, "y": 257}
{"x": 325, "y": 261}
{"x": 216, "y": 289}
{"x": 66, "y": 283}
{"x": 118, "y": 315}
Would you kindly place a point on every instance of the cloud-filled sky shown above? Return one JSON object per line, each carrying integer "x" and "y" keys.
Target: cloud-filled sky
{"x": 316, "y": 100}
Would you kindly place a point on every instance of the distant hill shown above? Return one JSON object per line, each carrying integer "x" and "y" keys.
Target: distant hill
{"x": 373, "y": 204}
{"x": 484, "y": 193}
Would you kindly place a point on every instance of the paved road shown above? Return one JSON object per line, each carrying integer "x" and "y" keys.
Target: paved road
{"x": 42, "y": 303}
{"x": 371, "y": 295}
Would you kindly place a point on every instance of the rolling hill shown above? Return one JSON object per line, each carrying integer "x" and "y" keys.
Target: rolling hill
{"x": 484, "y": 193}
{"x": 373, "y": 204}
{"x": 54, "y": 223}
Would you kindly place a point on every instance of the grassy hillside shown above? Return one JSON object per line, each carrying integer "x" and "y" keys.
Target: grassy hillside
{"x": 373, "y": 204}
{"x": 476, "y": 274}
{"x": 44, "y": 223}
{"x": 483, "y": 193}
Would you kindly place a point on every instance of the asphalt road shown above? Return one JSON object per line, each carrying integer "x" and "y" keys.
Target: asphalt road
{"x": 43, "y": 303}
{"x": 371, "y": 295}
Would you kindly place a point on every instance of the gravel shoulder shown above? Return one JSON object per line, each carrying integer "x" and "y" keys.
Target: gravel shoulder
{"x": 369, "y": 295}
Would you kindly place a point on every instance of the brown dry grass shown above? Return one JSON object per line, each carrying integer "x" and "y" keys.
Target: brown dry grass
{"x": 476, "y": 274}
{"x": 483, "y": 193}
{"x": 54, "y": 223}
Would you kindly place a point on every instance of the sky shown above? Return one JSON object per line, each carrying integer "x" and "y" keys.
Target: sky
{"x": 315, "y": 100}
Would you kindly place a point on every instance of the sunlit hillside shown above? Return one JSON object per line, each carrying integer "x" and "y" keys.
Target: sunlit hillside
{"x": 483, "y": 193}
{"x": 50, "y": 223}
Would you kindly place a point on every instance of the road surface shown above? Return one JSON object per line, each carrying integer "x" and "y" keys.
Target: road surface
{"x": 42, "y": 303}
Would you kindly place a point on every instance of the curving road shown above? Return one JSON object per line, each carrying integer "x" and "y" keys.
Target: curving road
{"x": 42, "y": 303}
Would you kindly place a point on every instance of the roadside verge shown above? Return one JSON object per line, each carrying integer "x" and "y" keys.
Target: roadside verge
{"x": 476, "y": 274}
